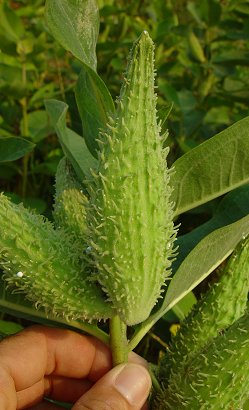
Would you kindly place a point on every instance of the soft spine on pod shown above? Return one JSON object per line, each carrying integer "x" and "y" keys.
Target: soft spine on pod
{"x": 222, "y": 305}
{"x": 70, "y": 201}
{"x": 45, "y": 263}
{"x": 216, "y": 378}
{"x": 130, "y": 215}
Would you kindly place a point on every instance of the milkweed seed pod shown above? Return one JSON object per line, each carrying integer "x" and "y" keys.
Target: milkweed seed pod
{"x": 70, "y": 201}
{"x": 216, "y": 378}
{"x": 43, "y": 263}
{"x": 222, "y": 305}
{"x": 130, "y": 217}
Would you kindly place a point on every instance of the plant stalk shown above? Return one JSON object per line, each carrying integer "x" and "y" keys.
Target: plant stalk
{"x": 142, "y": 330}
{"x": 118, "y": 341}
{"x": 25, "y": 130}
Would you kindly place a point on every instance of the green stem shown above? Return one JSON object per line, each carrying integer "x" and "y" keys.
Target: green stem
{"x": 118, "y": 341}
{"x": 149, "y": 323}
{"x": 155, "y": 382}
{"x": 25, "y": 162}
{"x": 61, "y": 84}
{"x": 142, "y": 330}
{"x": 25, "y": 128}
{"x": 92, "y": 330}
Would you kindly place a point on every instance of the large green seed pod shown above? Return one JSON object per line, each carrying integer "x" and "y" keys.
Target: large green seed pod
{"x": 215, "y": 379}
{"x": 130, "y": 216}
{"x": 45, "y": 264}
{"x": 70, "y": 201}
{"x": 222, "y": 305}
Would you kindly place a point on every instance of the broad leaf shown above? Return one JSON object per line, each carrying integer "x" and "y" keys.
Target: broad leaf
{"x": 204, "y": 258}
{"x": 73, "y": 145}
{"x": 11, "y": 26}
{"x": 12, "y": 148}
{"x": 234, "y": 206}
{"x": 215, "y": 167}
{"x": 75, "y": 25}
{"x": 95, "y": 104}
{"x": 38, "y": 125}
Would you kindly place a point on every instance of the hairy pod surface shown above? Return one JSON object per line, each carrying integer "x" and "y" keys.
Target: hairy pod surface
{"x": 216, "y": 378}
{"x": 45, "y": 264}
{"x": 130, "y": 211}
{"x": 220, "y": 307}
{"x": 70, "y": 201}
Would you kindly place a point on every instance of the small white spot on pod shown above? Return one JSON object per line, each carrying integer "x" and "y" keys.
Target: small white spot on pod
{"x": 19, "y": 274}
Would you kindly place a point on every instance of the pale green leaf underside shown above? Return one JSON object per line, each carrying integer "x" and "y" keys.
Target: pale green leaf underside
{"x": 200, "y": 262}
{"x": 75, "y": 25}
{"x": 234, "y": 206}
{"x": 213, "y": 168}
{"x": 204, "y": 258}
{"x": 73, "y": 145}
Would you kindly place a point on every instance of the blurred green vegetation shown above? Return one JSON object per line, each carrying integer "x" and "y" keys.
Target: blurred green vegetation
{"x": 202, "y": 60}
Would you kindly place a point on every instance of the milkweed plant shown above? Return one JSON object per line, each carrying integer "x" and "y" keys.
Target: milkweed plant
{"x": 111, "y": 253}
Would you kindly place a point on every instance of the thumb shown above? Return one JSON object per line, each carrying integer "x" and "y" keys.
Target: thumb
{"x": 126, "y": 387}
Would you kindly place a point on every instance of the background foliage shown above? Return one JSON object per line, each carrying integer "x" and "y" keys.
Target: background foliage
{"x": 202, "y": 62}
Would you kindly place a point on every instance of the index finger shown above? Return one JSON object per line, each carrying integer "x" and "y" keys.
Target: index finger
{"x": 27, "y": 357}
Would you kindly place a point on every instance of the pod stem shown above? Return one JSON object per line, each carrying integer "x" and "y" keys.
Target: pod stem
{"x": 118, "y": 341}
{"x": 90, "y": 329}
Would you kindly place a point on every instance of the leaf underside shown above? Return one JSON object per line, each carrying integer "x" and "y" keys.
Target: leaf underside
{"x": 212, "y": 169}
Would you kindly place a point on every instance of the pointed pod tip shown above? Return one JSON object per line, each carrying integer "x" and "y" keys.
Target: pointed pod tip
{"x": 144, "y": 40}
{"x": 145, "y": 35}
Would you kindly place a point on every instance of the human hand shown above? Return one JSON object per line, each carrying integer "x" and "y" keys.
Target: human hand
{"x": 66, "y": 366}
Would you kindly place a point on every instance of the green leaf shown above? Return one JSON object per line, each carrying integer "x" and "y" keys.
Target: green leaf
{"x": 9, "y": 328}
{"x": 232, "y": 56}
{"x": 234, "y": 206}
{"x": 11, "y": 83}
{"x": 73, "y": 145}
{"x": 38, "y": 125}
{"x": 204, "y": 258}
{"x": 13, "y": 148}
{"x": 11, "y": 26}
{"x": 43, "y": 93}
{"x": 95, "y": 104}
{"x": 75, "y": 25}
{"x": 215, "y": 167}
{"x": 36, "y": 204}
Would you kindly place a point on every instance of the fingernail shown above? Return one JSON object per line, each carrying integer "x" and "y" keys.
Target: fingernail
{"x": 133, "y": 383}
